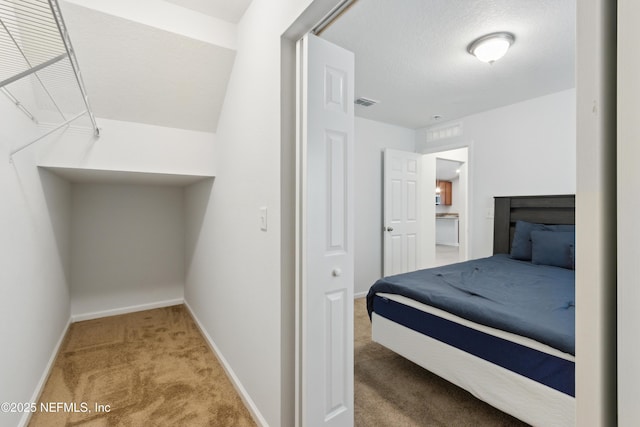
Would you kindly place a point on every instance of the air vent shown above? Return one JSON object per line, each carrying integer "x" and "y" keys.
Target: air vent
{"x": 366, "y": 102}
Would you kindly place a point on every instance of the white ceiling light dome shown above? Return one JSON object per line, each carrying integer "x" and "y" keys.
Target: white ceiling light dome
{"x": 491, "y": 47}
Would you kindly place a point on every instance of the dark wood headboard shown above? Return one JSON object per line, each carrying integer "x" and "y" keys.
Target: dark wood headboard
{"x": 540, "y": 209}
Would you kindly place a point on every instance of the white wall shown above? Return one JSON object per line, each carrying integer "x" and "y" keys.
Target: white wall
{"x": 236, "y": 286}
{"x": 34, "y": 263}
{"x": 371, "y": 138}
{"x": 521, "y": 149}
{"x": 628, "y": 203}
{"x": 127, "y": 247}
{"x": 37, "y": 216}
{"x": 139, "y": 229}
{"x": 129, "y": 146}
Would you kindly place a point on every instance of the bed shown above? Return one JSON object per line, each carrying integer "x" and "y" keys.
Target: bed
{"x": 501, "y": 327}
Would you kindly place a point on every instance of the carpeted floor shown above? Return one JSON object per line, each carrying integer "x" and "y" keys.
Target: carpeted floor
{"x": 153, "y": 368}
{"x": 392, "y": 391}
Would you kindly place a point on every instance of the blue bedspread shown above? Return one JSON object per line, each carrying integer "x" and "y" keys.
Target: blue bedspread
{"x": 535, "y": 301}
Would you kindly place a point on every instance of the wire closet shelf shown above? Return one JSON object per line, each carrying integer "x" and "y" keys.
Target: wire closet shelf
{"x": 39, "y": 72}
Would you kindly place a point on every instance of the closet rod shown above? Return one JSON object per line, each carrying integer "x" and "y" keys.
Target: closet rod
{"x": 32, "y": 70}
{"x": 336, "y": 13}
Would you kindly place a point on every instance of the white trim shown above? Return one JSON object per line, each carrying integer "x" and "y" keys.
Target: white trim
{"x": 358, "y": 295}
{"x": 125, "y": 310}
{"x": 244, "y": 395}
{"x": 26, "y": 417}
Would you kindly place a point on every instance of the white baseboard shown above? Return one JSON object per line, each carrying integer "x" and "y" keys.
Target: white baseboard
{"x": 359, "y": 295}
{"x": 24, "y": 421}
{"x": 125, "y": 310}
{"x": 244, "y": 395}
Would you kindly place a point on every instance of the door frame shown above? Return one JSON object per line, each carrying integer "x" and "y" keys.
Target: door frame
{"x": 325, "y": 261}
{"x": 468, "y": 144}
{"x": 318, "y": 11}
{"x": 596, "y": 399}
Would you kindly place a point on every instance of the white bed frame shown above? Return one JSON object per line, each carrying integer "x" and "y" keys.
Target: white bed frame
{"x": 525, "y": 399}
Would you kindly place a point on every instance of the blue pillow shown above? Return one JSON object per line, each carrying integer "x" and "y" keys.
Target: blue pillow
{"x": 553, "y": 248}
{"x": 521, "y": 245}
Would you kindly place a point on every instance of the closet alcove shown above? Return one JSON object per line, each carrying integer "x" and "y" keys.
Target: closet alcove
{"x": 129, "y": 236}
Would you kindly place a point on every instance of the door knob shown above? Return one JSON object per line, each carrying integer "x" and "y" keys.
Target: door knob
{"x": 336, "y": 272}
{"x": 389, "y": 228}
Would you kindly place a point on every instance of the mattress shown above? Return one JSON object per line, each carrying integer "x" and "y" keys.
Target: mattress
{"x": 530, "y": 401}
{"x": 522, "y": 355}
{"x": 535, "y": 301}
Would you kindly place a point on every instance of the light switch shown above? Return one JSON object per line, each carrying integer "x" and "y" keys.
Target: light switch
{"x": 263, "y": 218}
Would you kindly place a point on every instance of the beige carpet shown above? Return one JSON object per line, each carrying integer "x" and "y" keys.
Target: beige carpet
{"x": 392, "y": 391}
{"x": 153, "y": 368}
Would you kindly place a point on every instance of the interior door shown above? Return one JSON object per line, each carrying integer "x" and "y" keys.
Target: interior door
{"x": 402, "y": 214}
{"x": 325, "y": 230}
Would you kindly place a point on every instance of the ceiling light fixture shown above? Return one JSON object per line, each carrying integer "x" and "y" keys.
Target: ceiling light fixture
{"x": 491, "y": 47}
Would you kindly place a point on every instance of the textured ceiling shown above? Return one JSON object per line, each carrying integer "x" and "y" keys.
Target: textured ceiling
{"x": 142, "y": 73}
{"x": 229, "y": 10}
{"x": 411, "y": 55}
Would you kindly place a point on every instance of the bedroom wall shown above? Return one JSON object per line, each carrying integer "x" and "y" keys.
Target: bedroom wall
{"x": 521, "y": 149}
{"x": 371, "y": 138}
{"x": 34, "y": 264}
{"x": 127, "y": 248}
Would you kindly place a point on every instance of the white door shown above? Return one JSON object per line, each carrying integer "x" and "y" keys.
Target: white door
{"x": 402, "y": 240}
{"x": 326, "y": 267}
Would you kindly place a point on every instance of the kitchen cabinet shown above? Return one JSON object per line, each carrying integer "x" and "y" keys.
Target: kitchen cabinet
{"x": 445, "y": 192}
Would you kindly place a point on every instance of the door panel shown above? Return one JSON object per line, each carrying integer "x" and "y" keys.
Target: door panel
{"x": 402, "y": 212}
{"x": 326, "y": 267}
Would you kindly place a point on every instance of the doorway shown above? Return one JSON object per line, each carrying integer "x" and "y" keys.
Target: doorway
{"x": 481, "y": 207}
{"x": 452, "y": 236}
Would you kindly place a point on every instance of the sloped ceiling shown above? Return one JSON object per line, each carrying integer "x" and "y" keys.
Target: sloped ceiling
{"x": 412, "y": 55}
{"x": 228, "y": 10}
{"x": 137, "y": 67}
